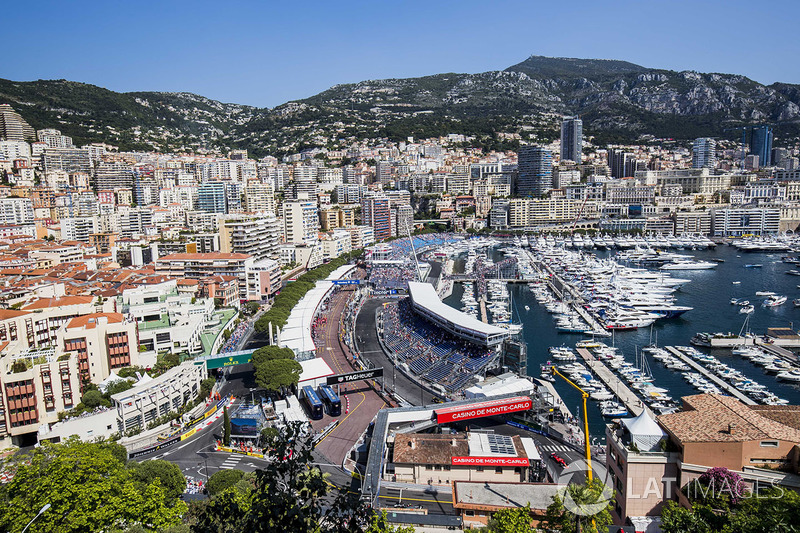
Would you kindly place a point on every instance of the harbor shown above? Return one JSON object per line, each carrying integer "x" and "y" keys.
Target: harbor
{"x": 729, "y": 389}
{"x": 705, "y": 292}
{"x": 614, "y": 383}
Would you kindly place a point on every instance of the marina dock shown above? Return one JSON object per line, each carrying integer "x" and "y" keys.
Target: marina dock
{"x": 719, "y": 382}
{"x": 559, "y": 288}
{"x": 614, "y": 383}
{"x": 783, "y": 353}
{"x": 484, "y": 313}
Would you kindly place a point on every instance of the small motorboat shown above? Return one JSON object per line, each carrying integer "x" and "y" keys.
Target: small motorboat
{"x": 736, "y": 282}
{"x": 753, "y": 265}
{"x": 774, "y": 301}
{"x": 527, "y": 307}
{"x": 746, "y": 310}
{"x": 796, "y": 302}
{"x": 765, "y": 293}
{"x": 793, "y": 272}
{"x": 743, "y": 303}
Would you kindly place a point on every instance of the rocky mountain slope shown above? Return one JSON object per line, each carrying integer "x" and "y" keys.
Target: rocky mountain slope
{"x": 619, "y": 101}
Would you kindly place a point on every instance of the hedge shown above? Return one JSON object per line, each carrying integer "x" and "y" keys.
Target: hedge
{"x": 283, "y": 304}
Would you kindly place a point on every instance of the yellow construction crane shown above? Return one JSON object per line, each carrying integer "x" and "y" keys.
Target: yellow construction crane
{"x": 585, "y": 396}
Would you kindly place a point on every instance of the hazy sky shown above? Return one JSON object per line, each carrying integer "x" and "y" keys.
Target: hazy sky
{"x": 266, "y": 53}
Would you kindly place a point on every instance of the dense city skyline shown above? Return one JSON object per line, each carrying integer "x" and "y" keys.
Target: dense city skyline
{"x": 240, "y": 56}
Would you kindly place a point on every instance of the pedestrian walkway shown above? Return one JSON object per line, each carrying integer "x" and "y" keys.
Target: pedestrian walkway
{"x": 555, "y": 448}
{"x": 231, "y": 462}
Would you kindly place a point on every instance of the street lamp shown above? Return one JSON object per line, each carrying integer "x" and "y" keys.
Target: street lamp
{"x": 205, "y": 461}
{"x": 42, "y": 510}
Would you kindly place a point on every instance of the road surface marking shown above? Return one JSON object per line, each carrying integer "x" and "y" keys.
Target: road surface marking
{"x": 341, "y": 423}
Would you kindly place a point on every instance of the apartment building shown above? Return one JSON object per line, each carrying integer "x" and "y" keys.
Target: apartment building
{"x": 167, "y": 320}
{"x": 735, "y": 222}
{"x": 35, "y": 385}
{"x": 335, "y": 243}
{"x": 103, "y": 342}
{"x": 258, "y": 236}
{"x": 375, "y": 212}
{"x": 329, "y": 219}
{"x": 360, "y": 236}
{"x": 253, "y": 277}
{"x": 300, "y": 222}
{"x": 156, "y": 397}
{"x": 259, "y": 196}
{"x": 650, "y": 461}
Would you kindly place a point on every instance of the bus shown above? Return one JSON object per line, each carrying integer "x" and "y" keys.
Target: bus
{"x": 330, "y": 399}
{"x": 312, "y": 402}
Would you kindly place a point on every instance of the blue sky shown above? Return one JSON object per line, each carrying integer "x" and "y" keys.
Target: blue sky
{"x": 266, "y": 53}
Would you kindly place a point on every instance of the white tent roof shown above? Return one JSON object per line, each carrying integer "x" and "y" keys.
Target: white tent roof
{"x": 144, "y": 380}
{"x": 645, "y": 432}
{"x": 112, "y": 378}
{"x": 296, "y": 334}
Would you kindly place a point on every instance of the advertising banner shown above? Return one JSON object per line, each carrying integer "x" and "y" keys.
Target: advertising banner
{"x": 481, "y": 409}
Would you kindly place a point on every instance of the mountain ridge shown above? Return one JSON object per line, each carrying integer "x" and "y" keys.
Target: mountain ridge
{"x": 618, "y": 100}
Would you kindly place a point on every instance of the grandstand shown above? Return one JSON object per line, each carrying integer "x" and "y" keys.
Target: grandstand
{"x": 426, "y": 303}
{"x": 391, "y": 265}
{"x": 448, "y": 363}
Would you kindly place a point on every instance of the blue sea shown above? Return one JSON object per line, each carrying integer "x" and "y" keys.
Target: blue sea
{"x": 709, "y": 293}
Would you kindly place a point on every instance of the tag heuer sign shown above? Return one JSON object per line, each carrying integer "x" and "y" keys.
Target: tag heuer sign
{"x": 355, "y": 376}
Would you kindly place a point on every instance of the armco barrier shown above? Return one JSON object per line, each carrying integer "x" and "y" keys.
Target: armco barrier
{"x": 240, "y": 452}
{"x": 165, "y": 444}
{"x": 178, "y": 438}
{"x": 527, "y": 428}
{"x": 189, "y": 433}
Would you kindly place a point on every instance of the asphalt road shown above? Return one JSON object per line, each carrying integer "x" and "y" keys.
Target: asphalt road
{"x": 364, "y": 403}
{"x": 370, "y": 349}
{"x": 435, "y": 503}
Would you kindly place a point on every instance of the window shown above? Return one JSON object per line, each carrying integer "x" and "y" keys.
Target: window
{"x": 479, "y": 469}
{"x": 769, "y": 444}
{"x": 498, "y": 470}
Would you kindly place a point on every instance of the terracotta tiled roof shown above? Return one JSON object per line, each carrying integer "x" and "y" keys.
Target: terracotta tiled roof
{"x": 435, "y": 449}
{"x": 89, "y": 321}
{"x": 44, "y": 303}
{"x": 788, "y": 415}
{"x": 717, "y": 418}
{"x": 5, "y": 314}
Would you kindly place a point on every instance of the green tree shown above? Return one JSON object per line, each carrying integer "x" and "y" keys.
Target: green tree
{"x": 516, "y": 520}
{"x": 379, "y": 524}
{"x": 268, "y": 435}
{"x": 677, "y": 519}
{"x": 270, "y": 353}
{"x": 222, "y": 480}
{"x": 226, "y": 424}
{"x": 591, "y": 500}
{"x": 277, "y": 374}
{"x": 252, "y": 308}
{"x": 206, "y": 386}
{"x": 169, "y": 475}
{"x": 117, "y": 387}
{"x": 88, "y": 488}
{"x": 93, "y": 398}
{"x": 287, "y": 495}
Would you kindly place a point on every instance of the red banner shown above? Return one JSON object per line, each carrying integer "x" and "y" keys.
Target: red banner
{"x": 478, "y": 410}
{"x": 489, "y": 461}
